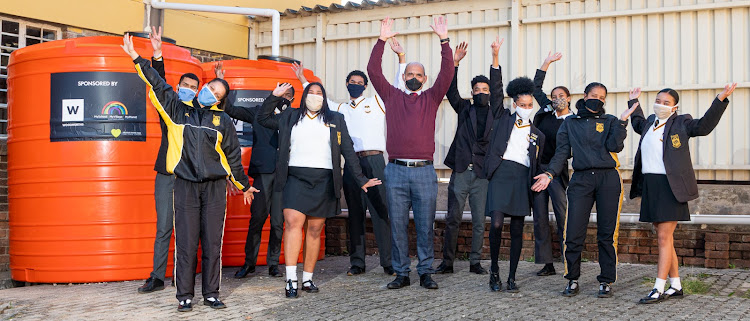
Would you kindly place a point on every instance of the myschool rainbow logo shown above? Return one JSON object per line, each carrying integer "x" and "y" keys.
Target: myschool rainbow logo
{"x": 114, "y": 108}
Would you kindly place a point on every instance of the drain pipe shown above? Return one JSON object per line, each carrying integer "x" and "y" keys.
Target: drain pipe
{"x": 275, "y": 16}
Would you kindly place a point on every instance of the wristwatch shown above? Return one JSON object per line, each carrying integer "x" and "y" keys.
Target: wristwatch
{"x": 442, "y": 41}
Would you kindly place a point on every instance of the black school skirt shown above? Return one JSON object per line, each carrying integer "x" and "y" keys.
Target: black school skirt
{"x": 310, "y": 191}
{"x": 658, "y": 203}
{"x": 508, "y": 190}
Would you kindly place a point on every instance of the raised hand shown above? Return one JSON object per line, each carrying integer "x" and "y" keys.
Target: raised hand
{"x": 551, "y": 57}
{"x": 299, "y": 71}
{"x": 728, "y": 89}
{"x": 460, "y": 53}
{"x": 372, "y": 182}
{"x": 396, "y": 46}
{"x": 127, "y": 45}
{"x": 542, "y": 181}
{"x": 440, "y": 27}
{"x": 626, "y": 114}
{"x": 281, "y": 89}
{"x": 219, "y": 70}
{"x": 634, "y": 93}
{"x": 155, "y": 38}
{"x": 385, "y": 29}
{"x": 248, "y": 196}
{"x": 496, "y": 45}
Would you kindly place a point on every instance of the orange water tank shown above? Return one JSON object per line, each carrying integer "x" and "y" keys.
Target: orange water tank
{"x": 251, "y": 82}
{"x": 82, "y": 140}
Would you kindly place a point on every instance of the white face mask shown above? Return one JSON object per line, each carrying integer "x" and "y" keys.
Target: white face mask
{"x": 662, "y": 112}
{"x": 314, "y": 102}
{"x": 524, "y": 113}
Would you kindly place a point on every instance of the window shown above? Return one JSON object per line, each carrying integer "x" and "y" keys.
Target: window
{"x": 15, "y": 34}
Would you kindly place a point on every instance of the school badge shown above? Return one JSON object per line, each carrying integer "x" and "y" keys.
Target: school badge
{"x": 217, "y": 120}
{"x": 600, "y": 127}
{"x": 367, "y": 109}
{"x": 675, "y": 141}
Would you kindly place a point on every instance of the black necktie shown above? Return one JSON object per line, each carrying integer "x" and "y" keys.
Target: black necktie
{"x": 656, "y": 124}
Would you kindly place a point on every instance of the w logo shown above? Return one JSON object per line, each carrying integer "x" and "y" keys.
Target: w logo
{"x": 72, "y": 110}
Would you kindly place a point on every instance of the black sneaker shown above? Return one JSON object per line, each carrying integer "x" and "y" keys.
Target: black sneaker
{"x": 273, "y": 271}
{"x": 495, "y": 283}
{"x": 678, "y": 294}
{"x": 426, "y": 281}
{"x": 244, "y": 271}
{"x": 572, "y": 288}
{"x": 151, "y": 285}
{"x": 355, "y": 270}
{"x": 511, "y": 286}
{"x": 547, "y": 270}
{"x": 650, "y": 299}
{"x": 605, "y": 290}
{"x": 477, "y": 268}
{"x": 185, "y": 306}
{"x": 310, "y": 287}
{"x": 290, "y": 291}
{"x": 214, "y": 304}
{"x": 389, "y": 270}
{"x": 399, "y": 282}
{"x": 444, "y": 268}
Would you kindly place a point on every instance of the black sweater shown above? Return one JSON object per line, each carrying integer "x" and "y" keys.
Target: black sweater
{"x": 545, "y": 119}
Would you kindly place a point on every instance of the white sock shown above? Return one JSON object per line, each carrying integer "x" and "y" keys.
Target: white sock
{"x": 675, "y": 284}
{"x": 306, "y": 276}
{"x": 291, "y": 274}
{"x": 659, "y": 285}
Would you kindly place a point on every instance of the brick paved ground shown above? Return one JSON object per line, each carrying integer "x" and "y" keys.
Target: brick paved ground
{"x": 461, "y": 296}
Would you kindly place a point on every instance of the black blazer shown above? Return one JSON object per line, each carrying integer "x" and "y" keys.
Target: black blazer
{"x": 466, "y": 147}
{"x": 500, "y": 134}
{"x": 677, "y": 132}
{"x": 341, "y": 143}
{"x": 265, "y": 140}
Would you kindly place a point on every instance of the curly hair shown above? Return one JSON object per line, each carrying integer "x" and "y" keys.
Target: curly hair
{"x": 478, "y": 79}
{"x": 519, "y": 87}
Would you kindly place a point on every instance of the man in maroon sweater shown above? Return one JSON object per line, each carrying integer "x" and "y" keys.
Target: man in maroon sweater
{"x": 410, "y": 178}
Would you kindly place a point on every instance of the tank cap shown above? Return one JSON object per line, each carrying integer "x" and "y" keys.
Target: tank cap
{"x": 279, "y": 59}
{"x": 141, "y": 34}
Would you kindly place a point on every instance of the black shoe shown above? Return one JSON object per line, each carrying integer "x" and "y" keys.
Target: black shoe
{"x": 310, "y": 287}
{"x": 571, "y": 289}
{"x": 273, "y": 270}
{"x": 495, "y": 283}
{"x": 173, "y": 282}
{"x": 444, "y": 268}
{"x": 426, "y": 281}
{"x": 511, "y": 287}
{"x": 355, "y": 270}
{"x": 291, "y": 292}
{"x": 399, "y": 282}
{"x": 389, "y": 270}
{"x": 244, "y": 271}
{"x": 547, "y": 270}
{"x": 678, "y": 294}
{"x": 605, "y": 290}
{"x": 477, "y": 268}
{"x": 215, "y": 304}
{"x": 185, "y": 306}
{"x": 650, "y": 299}
{"x": 151, "y": 285}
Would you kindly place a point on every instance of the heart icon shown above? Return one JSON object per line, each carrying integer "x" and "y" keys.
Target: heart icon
{"x": 116, "y": 132}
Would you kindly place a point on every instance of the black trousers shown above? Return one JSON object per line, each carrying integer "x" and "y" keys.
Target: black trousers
{"x": 266, "y": 201}
{"x": 200, "y": 211}
{"x": 358, "y": 202}
{"x": 542, "y": 234}
{"x": 603, "y": 186}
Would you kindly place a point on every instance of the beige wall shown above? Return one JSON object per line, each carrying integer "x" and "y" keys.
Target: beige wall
{"x": 693, "y": 46}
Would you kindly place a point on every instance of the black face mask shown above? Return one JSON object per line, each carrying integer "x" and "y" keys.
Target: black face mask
{"x": 481, "y": 99}
{"x": 355, "y": 90}
{"x": 413, "y": 84}
{"x": 595, "y": 105}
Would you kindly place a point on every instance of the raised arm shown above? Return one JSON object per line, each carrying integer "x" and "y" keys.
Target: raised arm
{"x": 454, "y": 98}
{"x": 496, "y": 79}
{"x": 375, "y": 65}
{"x": 635, "y": 112}
{"x": 157, "y": 61}
{"x": 706, "y": 124}
{"x": 246, "y": 114}
{"x": 443, "y": 80}
{"x": 265, "y": 115}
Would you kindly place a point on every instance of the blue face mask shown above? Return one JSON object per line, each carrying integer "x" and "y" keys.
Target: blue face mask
{"x": 355, "y": 90}
{"x": 185, "y": 94}
{"x": 206, "y": 97}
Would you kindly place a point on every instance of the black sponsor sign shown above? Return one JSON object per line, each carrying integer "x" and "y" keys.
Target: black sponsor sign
{"x": 97, "y": 106}
{"x": 246, "y": 98}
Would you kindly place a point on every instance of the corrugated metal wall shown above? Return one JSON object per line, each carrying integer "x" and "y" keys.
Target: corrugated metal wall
{"x": 693, "y": 46}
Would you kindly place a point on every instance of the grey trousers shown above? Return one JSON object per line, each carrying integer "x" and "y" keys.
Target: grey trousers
{"x": 266, "y": 201}
{"x": 461, "y": 186}
{"x": 542, "y": 236}
{"x": 163, "y": 197}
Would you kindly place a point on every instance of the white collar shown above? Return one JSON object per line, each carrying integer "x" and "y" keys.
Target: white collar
{"x": 409, "y": 92}
{"x": 563, "y": 116}
{"x": 356, "y": 100}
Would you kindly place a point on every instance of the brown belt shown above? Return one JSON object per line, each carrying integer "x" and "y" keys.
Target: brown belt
{"x": 366, "y": 153}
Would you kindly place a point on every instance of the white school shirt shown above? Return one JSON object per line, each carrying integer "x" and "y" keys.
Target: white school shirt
{"x": 310, "y": 144}
{"x": 652, "y": 149}
{"x": 518, "y": 144}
